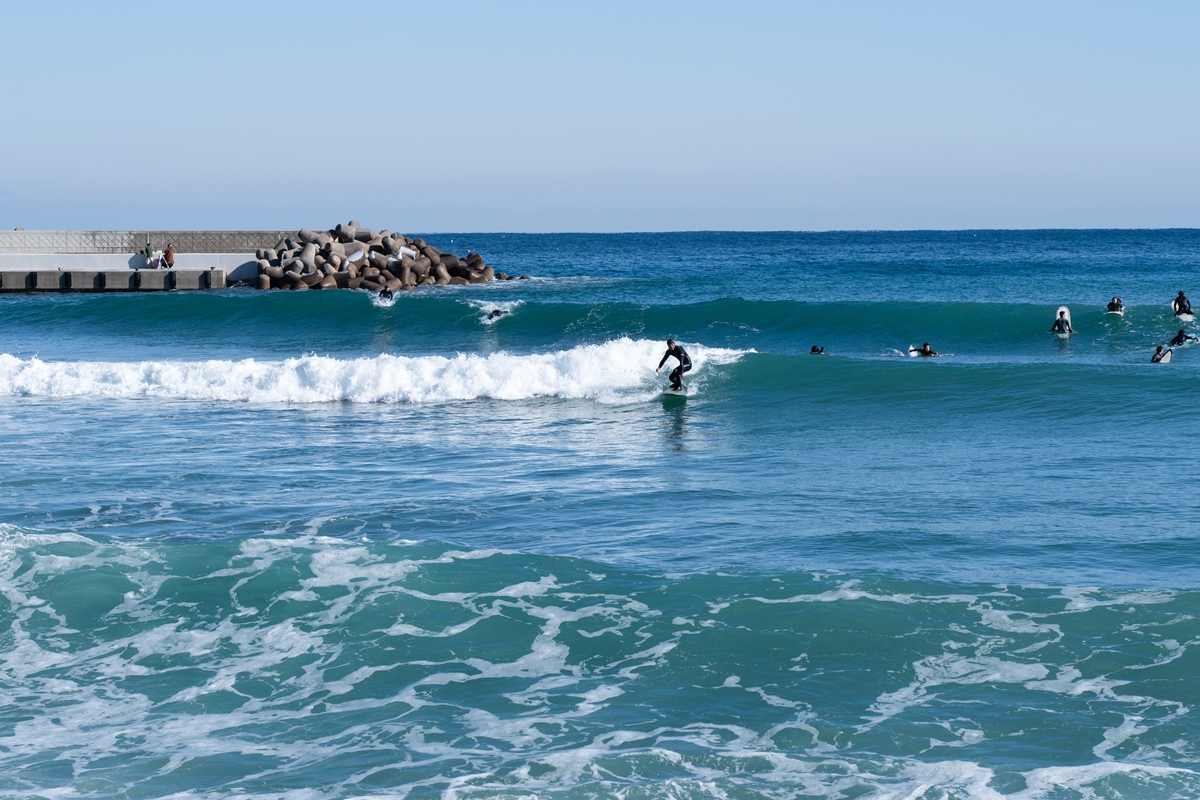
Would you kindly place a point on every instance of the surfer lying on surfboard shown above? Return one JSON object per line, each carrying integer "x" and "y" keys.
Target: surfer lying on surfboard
{"x": 685, "y": 363}
{"x": 1116, "y": 306}
{"x": 1181, "y": 338}
{"x": 1062, "y": 324}
{"x": 926, "y": 351}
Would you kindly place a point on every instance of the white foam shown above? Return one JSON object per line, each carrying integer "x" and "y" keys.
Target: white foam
{"x": 617, "y": 371}
{"x": 487, "y": 307}
{"x": 1056, "y": 781}
{"x": 1081, "y": 598}
{"x": 379, "y": 301}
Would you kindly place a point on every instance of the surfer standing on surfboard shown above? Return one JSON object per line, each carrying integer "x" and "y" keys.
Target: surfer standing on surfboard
{"x": 1062, "y": 324}
{"x": 685, "y": 363}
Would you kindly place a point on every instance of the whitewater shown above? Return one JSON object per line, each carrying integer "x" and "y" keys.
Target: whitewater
{"x": 318, "y": 545}
{"x": 614, "y": 372}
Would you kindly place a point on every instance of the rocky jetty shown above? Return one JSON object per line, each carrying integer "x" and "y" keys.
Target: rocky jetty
{"x": 351, "y": 256}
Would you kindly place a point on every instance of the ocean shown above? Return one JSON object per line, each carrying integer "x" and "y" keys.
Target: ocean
{"x": 280, "y": 545}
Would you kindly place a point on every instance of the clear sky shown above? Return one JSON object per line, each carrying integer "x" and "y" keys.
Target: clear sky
{"x": 589, "y": 116}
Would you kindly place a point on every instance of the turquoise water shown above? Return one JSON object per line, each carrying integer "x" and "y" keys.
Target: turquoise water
{"x": 309, "y": 546}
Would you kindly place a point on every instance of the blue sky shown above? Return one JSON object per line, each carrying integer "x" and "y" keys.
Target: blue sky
{"x": 580, "y": 116}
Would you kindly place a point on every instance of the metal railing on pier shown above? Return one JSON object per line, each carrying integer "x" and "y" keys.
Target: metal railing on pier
{"x": 135, "y": 241}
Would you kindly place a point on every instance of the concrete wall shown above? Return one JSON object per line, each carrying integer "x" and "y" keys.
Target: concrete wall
{"x": 237, "y": 266}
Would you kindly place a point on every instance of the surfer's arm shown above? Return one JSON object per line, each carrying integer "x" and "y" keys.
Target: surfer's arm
{"x": 666, "y": 355}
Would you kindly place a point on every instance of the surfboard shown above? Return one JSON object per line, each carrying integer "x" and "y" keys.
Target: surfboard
{"x": 1120, "y": 312}
{"x": 1166, "y": 359}
{"x": 914, "y": 351}
{"x": 672, "y": 396}
{"x": 1056, "y": 313}
{"x": 1186, "y": 317}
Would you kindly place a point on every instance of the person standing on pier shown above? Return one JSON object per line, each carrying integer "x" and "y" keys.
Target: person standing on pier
{"x": 170, "y": 256}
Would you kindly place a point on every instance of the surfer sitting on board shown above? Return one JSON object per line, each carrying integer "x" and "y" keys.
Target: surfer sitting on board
{"x": 685, "y": 363}
{"x": 1182, "y": 337}
{"x": 1062, "y": 324}
{"x": 1116, "y": 305}
{"x": 926, "y": 351}
{"x": 1159, "y": 355}
{"x": 1181, "y": 305}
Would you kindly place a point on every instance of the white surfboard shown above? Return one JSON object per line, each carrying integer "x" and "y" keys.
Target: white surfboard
{"x": 1056, "y": 313}
{"x": 914, "y": 351}
{"x": 1186, "y": 317}
{"x": 1120, "y": 312}
{"x": 1166, "y": 359}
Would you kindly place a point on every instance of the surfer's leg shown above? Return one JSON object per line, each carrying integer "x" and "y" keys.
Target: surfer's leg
{"x": 677, "y": 378}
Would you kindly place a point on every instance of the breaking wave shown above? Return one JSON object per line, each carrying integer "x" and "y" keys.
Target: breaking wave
{"x": 617, "y": 371}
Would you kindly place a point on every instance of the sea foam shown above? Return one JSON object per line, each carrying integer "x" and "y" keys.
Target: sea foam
{"x": 620, "y": 370}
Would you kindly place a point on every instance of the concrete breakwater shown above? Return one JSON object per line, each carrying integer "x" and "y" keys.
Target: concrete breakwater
{"x": 348, "y": 256}
{"x": 110, "y": 280}
{"x": 352, "y": 256}
{"x": 115, "y": 261}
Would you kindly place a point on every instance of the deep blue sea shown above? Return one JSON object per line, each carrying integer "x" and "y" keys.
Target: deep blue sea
{"x": 311, "y": 545}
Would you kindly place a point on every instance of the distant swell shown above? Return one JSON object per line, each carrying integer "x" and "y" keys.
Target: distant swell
{"x": 621, "y": 370}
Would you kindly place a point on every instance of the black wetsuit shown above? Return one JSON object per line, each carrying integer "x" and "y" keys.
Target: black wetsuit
{"x": 1182, "y": 305}
{"x": 1180, "y": 338}
{"x": 1115, "y": 306}
{"x": 685, "y": 365}
{"x": 1061, "y": 325}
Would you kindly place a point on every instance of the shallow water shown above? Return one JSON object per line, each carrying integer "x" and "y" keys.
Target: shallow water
{"x": 263, "y": 545}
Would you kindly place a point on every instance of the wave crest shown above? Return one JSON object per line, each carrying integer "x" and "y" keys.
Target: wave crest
{"x": 621, "y": 370}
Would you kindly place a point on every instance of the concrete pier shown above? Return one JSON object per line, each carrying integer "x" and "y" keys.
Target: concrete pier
{"x": 113, "y": 280}
{"x": 114, "y": 261}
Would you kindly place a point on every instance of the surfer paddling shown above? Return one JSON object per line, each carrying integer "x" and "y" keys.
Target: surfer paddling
{"x": 1182, "y": 337}
{"x": 685, "y": 363}
{"x": 1062, "y": 324}
{"x": 925, "y": 351}
{"x": 1181, "y": 305}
